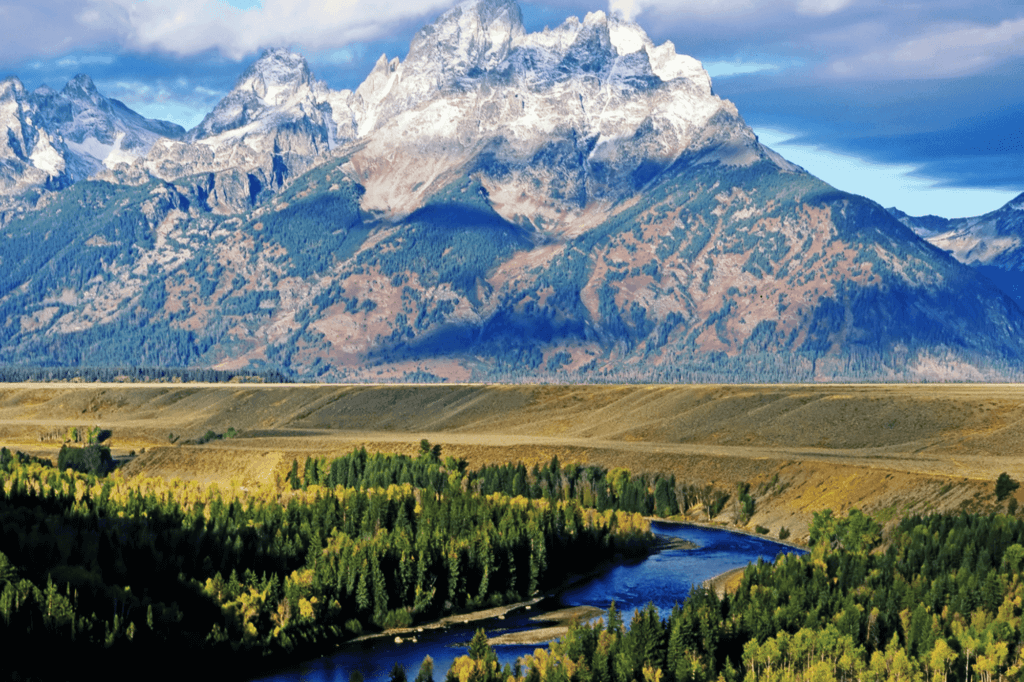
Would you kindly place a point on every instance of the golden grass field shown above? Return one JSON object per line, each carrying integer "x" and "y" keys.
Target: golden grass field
{"x": 887, "y": 449}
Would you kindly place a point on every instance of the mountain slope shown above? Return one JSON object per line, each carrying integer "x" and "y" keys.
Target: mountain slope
{"x": 575, "y": 204}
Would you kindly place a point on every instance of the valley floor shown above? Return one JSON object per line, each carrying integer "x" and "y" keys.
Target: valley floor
{"x": 887, "y": 449}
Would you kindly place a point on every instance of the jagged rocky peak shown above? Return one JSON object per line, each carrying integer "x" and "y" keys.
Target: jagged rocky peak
{"x": 78, "y": 111}
{"x": 277, "y": 74}
{"x": 15, "y": 119}
{"x": 28, "y": 155}
{"x": 471, "y": 37}
{"x": 13, "y": 99}
{"x": 82, "y": 87}
{"x": 273, "y": 82}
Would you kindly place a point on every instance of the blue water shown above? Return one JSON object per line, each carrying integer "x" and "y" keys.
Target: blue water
{"x": 664, "y": 579}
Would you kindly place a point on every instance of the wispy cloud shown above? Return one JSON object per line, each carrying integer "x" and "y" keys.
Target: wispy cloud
{"x": 188, "y": 27}
{"x": 76, "y": 61}
{"x": 939, "y": 52}
{"x": 735, "y": 68}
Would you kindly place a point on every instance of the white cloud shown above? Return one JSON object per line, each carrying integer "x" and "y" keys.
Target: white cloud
{"x": 821, "y": 7}
{"x": 192, "y": 26}
{"x": 625, "y": 9}
{"x": 942, "y": 52}
{"x": 74, "y": 61}
{"x": 629, "y": 9}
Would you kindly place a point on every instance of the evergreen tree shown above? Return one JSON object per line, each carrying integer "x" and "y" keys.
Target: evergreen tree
{"x": 1004, "y": 486}
{"x": 426, "y": 673}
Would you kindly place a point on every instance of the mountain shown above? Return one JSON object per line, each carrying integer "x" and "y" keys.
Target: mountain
{"x": 995, "y": 239}
{"x": 575, "y": 204}
{"x": 57, "y": 138}
{"x": 993, "y": 244}
{"x": 274, "y": 124}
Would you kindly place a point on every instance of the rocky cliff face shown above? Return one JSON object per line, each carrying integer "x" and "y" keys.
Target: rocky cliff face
{"x": 575, "y": 204}
{"x": 62, "y": 137}
{"x": 29, "y": 156}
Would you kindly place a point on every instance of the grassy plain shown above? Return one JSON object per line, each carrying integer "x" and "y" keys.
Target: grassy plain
{"x": 886, "y": 449}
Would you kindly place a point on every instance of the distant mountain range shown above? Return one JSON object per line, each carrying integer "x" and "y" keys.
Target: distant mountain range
{"x": 571, "y": 205}
{"x": 992, "y": 244}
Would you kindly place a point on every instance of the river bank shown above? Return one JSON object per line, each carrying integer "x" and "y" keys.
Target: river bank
{"x": 664, "y": 578}
{"x": 401, "y": 634}
{"x": 731, "y": 529}
{"x": 563, "y": 617}
{"x": 728, "y": 581}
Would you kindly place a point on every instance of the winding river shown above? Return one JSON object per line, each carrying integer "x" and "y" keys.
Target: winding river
{"x": 664, "y": 578}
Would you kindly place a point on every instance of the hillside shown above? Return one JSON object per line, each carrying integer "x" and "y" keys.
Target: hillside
{"x": 884, "y": 449}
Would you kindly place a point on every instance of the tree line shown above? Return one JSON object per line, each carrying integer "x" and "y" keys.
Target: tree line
{"x": 130, "y": 374}
{"x": 591, "y": 486}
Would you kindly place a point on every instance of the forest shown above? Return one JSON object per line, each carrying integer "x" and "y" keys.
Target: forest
{"x": 128, "y": 374}
{"x": 937, "y": 600}
{"x": 107, "y": 568}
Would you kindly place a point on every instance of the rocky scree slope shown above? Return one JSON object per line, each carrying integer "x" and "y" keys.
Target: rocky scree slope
{"x": 571, "y": 204}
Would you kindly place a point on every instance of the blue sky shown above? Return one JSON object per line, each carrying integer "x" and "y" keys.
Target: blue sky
{"x": 913, "y": 104}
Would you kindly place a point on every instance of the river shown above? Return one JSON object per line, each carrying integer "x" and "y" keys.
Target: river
{"x": 664, "y": 578}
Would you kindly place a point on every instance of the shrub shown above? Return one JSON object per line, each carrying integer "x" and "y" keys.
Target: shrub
{"x": 399, "y": 618}
{"x": 1005, "y": 485}
{"x": 761, "y": 529}
{"x": 207, "y": 437}
{"x": 92, "y": 459}
{"x": 783, "y": 533}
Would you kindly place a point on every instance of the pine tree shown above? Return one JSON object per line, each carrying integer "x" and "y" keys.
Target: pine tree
{"x": 479, "y": 648}
{"x": 426, "y": 673}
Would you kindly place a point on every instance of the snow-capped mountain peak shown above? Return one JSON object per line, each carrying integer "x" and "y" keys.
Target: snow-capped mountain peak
{"x": 96, "y": 131}
{"x": 592, "y": 106}
{"x": 82, "y": 88}
{"x": 276, "y": 86}
{"x": 27, "y": 153}
{"x": 474, "y": 35}
{"x": 54, "y": 138}
{"x": 275, "y": 76}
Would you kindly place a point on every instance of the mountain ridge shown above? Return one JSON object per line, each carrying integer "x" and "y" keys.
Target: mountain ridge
{"x": 572, "y": 205}
{"x": 992, "y": 244}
